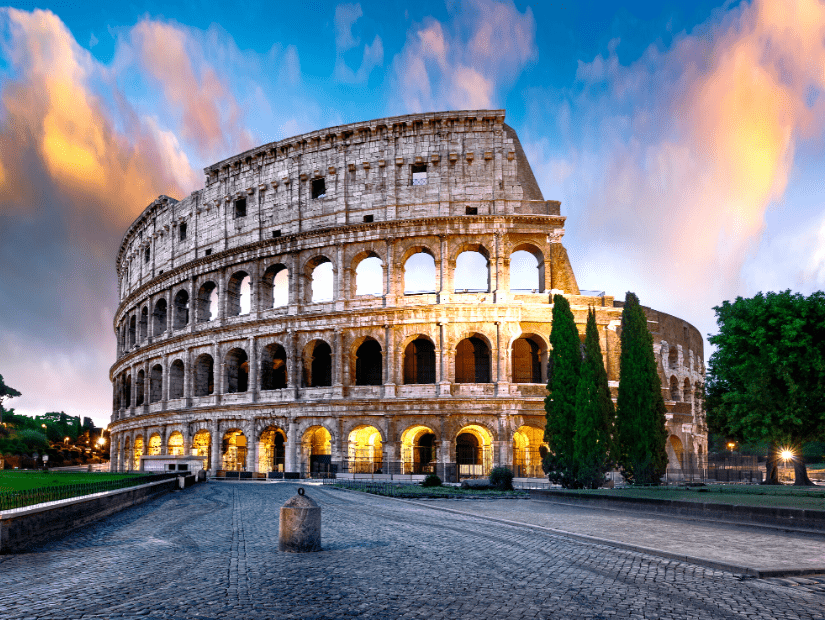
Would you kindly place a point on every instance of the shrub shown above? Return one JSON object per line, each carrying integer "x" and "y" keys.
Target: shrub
{"x": 501, "y": 478}
{"x": 431, "y": 481}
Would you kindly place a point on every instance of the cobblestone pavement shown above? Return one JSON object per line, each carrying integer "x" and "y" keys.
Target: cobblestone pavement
{"x": 758, "y": 548}
{"x": 210, "y": 552}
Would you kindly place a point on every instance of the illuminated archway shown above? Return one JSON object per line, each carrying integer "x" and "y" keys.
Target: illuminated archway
{"x": 202, "y": 446}
{"x": 127, "y": 454}
{"x": 155, "y": 444}
{"x": 529, "y": 449}
{"x": 316, "y": 447}
{"x": 234, "y": 450}
{"x": 175, "y": 444}
{"x": 419, "y": 453}
{"x": 272, "y": 450}
{"x": 473, "y": 451}
{"x": 364, "y": 450}
{"x": 138, "y": 452}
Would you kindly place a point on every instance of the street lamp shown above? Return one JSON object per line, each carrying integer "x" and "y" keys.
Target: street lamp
{"x": 66, "y": 440}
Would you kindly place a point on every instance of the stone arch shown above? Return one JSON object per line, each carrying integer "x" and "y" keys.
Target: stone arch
{"x": 181, "y": 318}
{"x": 272, "y": 450}
{"x": 320, "y": 277}
{"x": 138, "y": 452}
{"x": 672, "y": 356}
{"x": 127, "y": 390}
{"x": 419, "y": 361}
{"x": 687, "y": 393}
{"x": 473, "y": 451}
{"x": 675, "y": 453}
{"x": 368, "y": 268}
{"x": 526, "y": 269}
{"x": 473, "y": 360}
{"x": 316, "y": 451}
{"x": 239, "y": 294}
{"x": 365, "y": 450}
{"x": 472, "y": 269}
{"x": 674, "y": 388}
{"x": 368, "y": 362}
{"x": 419, "y": 450}
{"x": 159, "y": 317}
{"x": 207, "y": 308}
{"x": 528, "y": 352}
{"x": 144, "y": 323}
{"x": 419, "y": 270}
{"x": 132, "y": 331}
{"x": 176, "y": 379}
{"x": 174, "y": 445}
{"x": 156, "y": 383}
{"x": 140, "y": 392}
{"x": 529, "y": 448}
{"x": 202, "y": 446}
{"x": 274, "y": 374}
{"x": 204, "y": 375}
{"x": 236, "y": 364}
{"x": 127, "y": 454}
{"x": 233, "y": 450}
{"x": 317, "y": 364}
{"x": 275, "y": 286}
{"x": 155, "y": 445}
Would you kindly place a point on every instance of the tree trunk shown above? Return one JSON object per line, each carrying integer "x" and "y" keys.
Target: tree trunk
{"x": 800, "y": 473}
{"x": 772, "y": 466}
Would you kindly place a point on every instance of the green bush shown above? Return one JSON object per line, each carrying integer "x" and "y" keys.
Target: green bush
{"x": 33, "y": 440}
{"x": 501, "y": 478}
{"x": 431, "y": 481}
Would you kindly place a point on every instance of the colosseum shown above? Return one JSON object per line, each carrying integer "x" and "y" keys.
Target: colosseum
{"x": 372, "y": 298}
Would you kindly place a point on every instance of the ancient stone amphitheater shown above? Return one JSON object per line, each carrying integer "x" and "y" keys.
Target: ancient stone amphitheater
{"x": 370, "y": 298}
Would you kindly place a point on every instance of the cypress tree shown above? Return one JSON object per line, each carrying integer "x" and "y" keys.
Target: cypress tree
{"x": 560, "y": 404}
{"x": 640, "y": 417}
{"x": 594, "y": 413}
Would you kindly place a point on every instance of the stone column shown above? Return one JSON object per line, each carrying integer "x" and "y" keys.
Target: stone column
{"x": 294, "y": 376}
{"x": 390, "y": 292}
{"x": 164, "y": 381}
{"x": 294, "y": 285}
{"x": 193, "y": 304}
{"x": 337, "y": 365}
{"x": 498, "y": 275}
{"x": 292, "y": 442}
{"x": 254, "y": 287}
{"x": 170, "y": 312}
{"x": 389, "y": 363}
{"x": 443, "y": 375}
{"x": 218, "y": 366}
{"x": 502, "y": 385}
{"x": 216, "y": 440}
{"x": 253, "y": 386}
{"x": 338, "y": 294}
{"x": 442, "y": 286}
{"x": 188, "y": 378}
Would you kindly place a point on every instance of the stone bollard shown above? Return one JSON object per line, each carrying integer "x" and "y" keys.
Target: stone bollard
{"x": 300, "y": 527}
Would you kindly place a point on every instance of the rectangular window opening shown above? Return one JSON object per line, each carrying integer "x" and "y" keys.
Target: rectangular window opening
{"x": 419, "y": 174}
{"x": 471, "y": 211}
{"x": 368, "y": 219}
{"x": 147, "y": 256}
{"x": 182, "y": 229}
{"x": 319, "y": 188}
{"x": 240, "y": 207}
{"x": 208, "y": 252}
{"x": 276, "y": 234}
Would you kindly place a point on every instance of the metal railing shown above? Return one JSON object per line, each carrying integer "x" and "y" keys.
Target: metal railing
{"x": 29, "y": 497}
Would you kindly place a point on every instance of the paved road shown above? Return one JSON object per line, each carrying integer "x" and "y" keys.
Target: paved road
{"x": 211, "y": 552}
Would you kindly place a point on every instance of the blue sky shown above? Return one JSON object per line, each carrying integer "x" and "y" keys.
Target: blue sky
{"x": 684, "y": 139}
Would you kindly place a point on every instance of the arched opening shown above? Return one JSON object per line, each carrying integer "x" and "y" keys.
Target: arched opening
{"x": 526, "y": 271}
{"x": 419, "y": 362}
{"x": 673, "y": 357}
{"x": 127, "y": 391}
{"x": 181, "y": 309}
{"x": 144, "y": 323}
{"x": 528, "y": 451}
{"x": 472, "y": 273}
{"x": 674, "y": 389}
{"x": 473, "y": 451}
{"x": 322, "y": 281}
{"x": 273, "y": 368}
{"x": 418, "y": 450}
{"x": 317, "y": 364}
{"x": 176, "y": 374}
{"x": 419, "y": 274}
{"x": 139, "y": 388}
{"x": 238, "y": 294}
{"x": 368, "y": 363}
{"x": 687, "y": 395}
{"x": 138, "y": 452}
{"x": 233, "y": 450}
{"x": 174, "y": 445}
{"x": 364, "y": 451}
{"x": 202, "y": 446}
{"x": 159, "y": 317}
{"x": 208, "y": 302}
{"x": 316, "y": 446}
{"x": 237, "y": 371}
{"x": 156, "y": 384}
{"x": 272, "y": 450}
{"x": 204, "y": 375}
{"x": 132, "y": 329}
{"x": 275, "y": 287}
{"x": 675, "y": 453}
{"x": 526, "y": 361}
{"x": 155, "y": 444}
{"x": 369, "y": 276}
{"x": 127, "y": 455}
{"x": 472, "y": 361}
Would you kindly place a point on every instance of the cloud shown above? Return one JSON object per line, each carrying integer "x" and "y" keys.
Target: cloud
{"x": 467, "y": 62}
{"x": 689, "y": 147}
{"x": 345, "y": 17}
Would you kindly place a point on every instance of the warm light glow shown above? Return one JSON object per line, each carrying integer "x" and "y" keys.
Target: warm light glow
{"x": 786, "y": 454}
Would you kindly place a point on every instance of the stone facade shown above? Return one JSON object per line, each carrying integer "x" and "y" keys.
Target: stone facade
{"x": 251, "y": 331}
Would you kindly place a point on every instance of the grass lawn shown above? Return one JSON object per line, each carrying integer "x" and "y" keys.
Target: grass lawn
{"x": 28, "y": 480}
{"x": 743, "y": 495}
{"x": 413, "y": 491}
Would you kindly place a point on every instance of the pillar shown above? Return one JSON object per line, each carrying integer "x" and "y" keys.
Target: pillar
{"x": 216, "y": 440}
{"x": 292, "y": 441}
{"x": 443, "y": 376}
{"x": 337, "y": 365}
{"x": 389, "y": 363}
{"x": 253, "y": 386}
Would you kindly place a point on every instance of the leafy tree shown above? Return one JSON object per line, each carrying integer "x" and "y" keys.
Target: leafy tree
{"x": 560, "y": 404}
{"x": 766, "y": 379}
{"x": 640, "y": 417}
{"x": 6, "y": 391}
{"x": 594, "y": 413}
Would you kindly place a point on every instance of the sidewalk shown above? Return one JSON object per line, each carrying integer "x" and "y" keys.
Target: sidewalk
{"x": 747, "y": 549}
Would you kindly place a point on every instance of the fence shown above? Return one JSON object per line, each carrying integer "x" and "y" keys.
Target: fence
{"x": 20, "y": 499}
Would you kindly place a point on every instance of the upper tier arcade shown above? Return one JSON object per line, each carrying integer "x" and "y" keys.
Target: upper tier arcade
{"x": 400, "y": 168}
